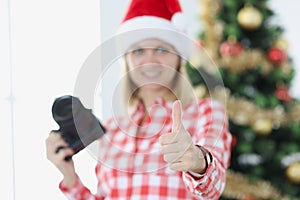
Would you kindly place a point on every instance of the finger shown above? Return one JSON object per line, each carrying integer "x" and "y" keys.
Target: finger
{"x": 64, "y": 153}
{"x": 167, "y": 138}
{"x": 53, "y": 146}
{"x": 54, "y": 150}
{"x": 53, "y": 137}
{"x": 55, "y": 142}
{"x": 54, "y": 132}
{"x": 170, "y": 148}
{"x": 59, "y": 148}
{"x": 176, "y": 116}
{"x": 172, "y": 157}
{"x": 178, "y": 166}
{"x": 56, "y": 157}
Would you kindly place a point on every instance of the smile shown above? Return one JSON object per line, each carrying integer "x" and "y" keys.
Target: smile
{"x": 151, "y": 74}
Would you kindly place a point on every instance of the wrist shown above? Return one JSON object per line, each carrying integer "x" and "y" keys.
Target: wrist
{"x": 204, "y": 158}
{"x": 69, "y": 181}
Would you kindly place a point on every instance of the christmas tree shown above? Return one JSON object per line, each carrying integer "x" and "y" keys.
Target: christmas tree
{"x": 252, "y": 57}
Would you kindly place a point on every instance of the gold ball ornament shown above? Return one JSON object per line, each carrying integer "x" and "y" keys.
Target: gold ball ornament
{"x": 200, "y": 91}
{"x": 241, "y": 118}
{"x": 262, "y": 126}
{"x": 293, "y": 172}
{"x": 250, "y": 18}
{"x": 195, "y": 59}
{"x": 282, "y": 43}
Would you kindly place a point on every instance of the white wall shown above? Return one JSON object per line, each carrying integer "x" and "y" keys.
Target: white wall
{"x": 287, "y": 16}
{"x": 50, "y": 40}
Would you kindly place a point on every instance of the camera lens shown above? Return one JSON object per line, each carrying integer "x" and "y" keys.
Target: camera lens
{"x": 77, "y": 125}
{"x": 63, "y": 107}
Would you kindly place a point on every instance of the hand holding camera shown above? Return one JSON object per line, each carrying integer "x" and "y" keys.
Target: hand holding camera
{"x": 77, "y": 125}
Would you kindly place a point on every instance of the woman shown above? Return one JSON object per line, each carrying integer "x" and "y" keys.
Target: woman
{"x": 170, "y": 146}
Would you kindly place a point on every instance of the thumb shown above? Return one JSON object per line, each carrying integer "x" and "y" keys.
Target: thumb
{"x": 176, "y": 116}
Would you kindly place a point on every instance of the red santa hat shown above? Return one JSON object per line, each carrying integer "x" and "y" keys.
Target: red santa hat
{"x": 161, "y": 19}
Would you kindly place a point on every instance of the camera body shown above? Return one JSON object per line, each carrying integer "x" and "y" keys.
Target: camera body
{"x": 78, "y": 126}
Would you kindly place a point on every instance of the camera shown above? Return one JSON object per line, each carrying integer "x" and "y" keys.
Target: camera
{"x": 78, "y": 126}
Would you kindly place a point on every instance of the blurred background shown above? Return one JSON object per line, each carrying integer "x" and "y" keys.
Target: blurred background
{"x": 43, "y": 46}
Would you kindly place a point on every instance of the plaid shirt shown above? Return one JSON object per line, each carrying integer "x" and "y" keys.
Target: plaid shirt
{"x": 130, "y": 165}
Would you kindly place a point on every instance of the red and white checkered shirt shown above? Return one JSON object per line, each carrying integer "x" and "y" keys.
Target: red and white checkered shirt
{"x": 131, "y": 167}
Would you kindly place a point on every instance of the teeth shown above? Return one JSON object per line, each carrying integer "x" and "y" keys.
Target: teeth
{"x": 151, "y": 74}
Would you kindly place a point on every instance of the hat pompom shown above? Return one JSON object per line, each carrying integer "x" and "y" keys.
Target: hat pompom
{"x": 179, "y": 20}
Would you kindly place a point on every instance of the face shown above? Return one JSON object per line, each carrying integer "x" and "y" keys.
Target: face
{"x": 152, "y": 64}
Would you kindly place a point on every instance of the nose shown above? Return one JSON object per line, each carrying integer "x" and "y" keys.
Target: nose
{"x": 150, "y": 56}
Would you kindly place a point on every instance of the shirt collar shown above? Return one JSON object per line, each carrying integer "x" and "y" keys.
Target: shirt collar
{"x": 139, "y": 110}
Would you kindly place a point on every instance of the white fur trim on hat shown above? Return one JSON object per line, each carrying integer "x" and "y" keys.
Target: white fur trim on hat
{"x": 146, "y": 27}
{"x": 179, "y": 21}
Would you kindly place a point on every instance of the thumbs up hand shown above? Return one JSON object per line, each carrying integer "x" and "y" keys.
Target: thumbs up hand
{"x": 178, "y": 148}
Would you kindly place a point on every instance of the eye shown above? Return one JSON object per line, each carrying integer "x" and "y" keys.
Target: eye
{"x": 162, "y": 50}
{"x": 138, "y": 51}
